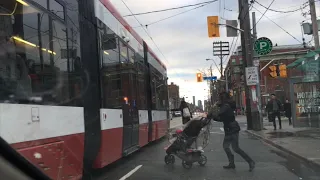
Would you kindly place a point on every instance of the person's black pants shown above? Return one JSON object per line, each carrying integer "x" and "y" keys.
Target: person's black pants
{"x": 185, "y": 120}
{"x": 278, "y": 115}
{"x": 233, "y": 140}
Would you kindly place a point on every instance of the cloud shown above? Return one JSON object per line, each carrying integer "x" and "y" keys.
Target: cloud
{"x": 183, "y": 39}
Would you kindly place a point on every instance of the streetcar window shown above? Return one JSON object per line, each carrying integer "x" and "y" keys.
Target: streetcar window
{"x": 141, "y": 95}
{"x": 32, "y": 57}
{"x": 110, "y": 72}
{"x": 131, "y": 55}
{"x": 56, "y": 8}
{"x": 123, "y": 52}
{"x": 42, "y": 3}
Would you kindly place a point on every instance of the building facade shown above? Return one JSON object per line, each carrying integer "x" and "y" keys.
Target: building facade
{"x": 284, "y": 54}
{"x": 174, "y": 96}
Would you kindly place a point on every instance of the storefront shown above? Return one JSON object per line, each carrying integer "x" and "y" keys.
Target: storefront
{"x": 305, "y": 91}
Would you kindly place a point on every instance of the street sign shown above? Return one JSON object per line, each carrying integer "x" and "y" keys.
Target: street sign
{"x": 210, "y": 78}
{"x": 263, "y": 46}
{"x": 252, "y": 76}
{"x": 256, "y": 62}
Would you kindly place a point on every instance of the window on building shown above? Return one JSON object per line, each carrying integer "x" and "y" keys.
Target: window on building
{"x": 233, "y": 61}
{"x": 35, "y": 65}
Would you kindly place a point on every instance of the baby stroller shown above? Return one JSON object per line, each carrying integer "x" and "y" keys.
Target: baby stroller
{"x": 183, "y": 140}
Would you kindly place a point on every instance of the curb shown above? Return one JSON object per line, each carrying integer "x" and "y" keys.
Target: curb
{"x": 284, "y": 149}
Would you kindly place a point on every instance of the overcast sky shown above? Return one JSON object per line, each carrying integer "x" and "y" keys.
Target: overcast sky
{"x": 184, "y": 41}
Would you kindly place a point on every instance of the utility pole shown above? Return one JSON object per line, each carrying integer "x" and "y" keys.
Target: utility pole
{"x": 314, "y": 23}
{"x": 246, "y": 43}
{"x": 259, "y": 122}
{"x": 221, "y": 49}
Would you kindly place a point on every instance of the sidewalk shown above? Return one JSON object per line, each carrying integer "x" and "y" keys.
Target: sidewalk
{"x": 303, "y": 143}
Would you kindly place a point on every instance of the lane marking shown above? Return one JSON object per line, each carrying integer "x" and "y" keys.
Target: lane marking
{"x": 222, "y": 129}
{"x": 216, "y": 133}
{"x": 130, "y": 173}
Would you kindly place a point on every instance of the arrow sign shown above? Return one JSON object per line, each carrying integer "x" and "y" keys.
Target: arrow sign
{"x": 252, "y": 76}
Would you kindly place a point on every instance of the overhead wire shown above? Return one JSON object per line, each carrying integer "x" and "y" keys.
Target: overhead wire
{"x": 263, "y": 14}
{"x": 148, "y": 34}
{"x": 169, "y": 17}
{"x": 278, "y": 26}
{"x": 280, "y": 11}
{"x": 169, "y": 9}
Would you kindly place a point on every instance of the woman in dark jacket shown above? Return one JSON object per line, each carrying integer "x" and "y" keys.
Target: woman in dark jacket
{"x": 231, "y": 129}
{"x": 184, "y": 108}
{"x": 287, "y": 110}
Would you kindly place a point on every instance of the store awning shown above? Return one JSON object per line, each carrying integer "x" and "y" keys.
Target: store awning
{"x": 299, "y": 61}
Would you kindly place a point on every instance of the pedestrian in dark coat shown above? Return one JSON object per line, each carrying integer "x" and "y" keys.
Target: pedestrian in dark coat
{"x": 287, "y": 110}
{"x": 231, "y": 129}
{"x": 274, "y": 107}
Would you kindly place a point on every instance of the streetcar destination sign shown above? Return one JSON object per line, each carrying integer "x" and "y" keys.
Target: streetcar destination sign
{"x": 263, "y": 46}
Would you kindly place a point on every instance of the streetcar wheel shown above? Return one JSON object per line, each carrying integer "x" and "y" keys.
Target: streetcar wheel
{"x": 186, "y": 165}
{"x": 203, "y": 160}
{"x": 169, "y": 159}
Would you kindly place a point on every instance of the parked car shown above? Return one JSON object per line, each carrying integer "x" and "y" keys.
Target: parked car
{"x": 176, "y": 113}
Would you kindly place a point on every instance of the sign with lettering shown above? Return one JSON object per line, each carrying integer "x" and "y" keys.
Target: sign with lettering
{"x": 252, "y": 76}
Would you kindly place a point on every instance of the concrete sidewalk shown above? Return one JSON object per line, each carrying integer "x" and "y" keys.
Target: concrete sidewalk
{"x": 303, "y": 143}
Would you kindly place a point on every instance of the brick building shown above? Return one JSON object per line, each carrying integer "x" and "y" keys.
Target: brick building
{"x": 284, "y": 54}
{"x": 174, "y": 97}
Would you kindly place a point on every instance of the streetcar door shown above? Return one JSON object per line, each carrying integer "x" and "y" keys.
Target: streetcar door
{"x": 130, "y": 110}
{"x": 130, "y": 114}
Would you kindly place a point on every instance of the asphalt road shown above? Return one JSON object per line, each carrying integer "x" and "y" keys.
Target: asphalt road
{"x": 148, "y": 163}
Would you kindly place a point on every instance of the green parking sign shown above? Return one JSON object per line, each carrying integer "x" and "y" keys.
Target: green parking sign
{"x": 263, "y": 46}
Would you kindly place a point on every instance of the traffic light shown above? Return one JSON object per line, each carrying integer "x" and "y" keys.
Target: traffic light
{"x": 199, "y": 77}
{"x": 213, "y": 26}
{"x": 278, "y": 70}
{"x": 273, "y": 70}
{"x": 283, "y": 70}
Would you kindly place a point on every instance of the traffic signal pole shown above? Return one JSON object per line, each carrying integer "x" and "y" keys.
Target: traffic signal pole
{"x": 314, "y": 23}
{"x": 259, "y": 122}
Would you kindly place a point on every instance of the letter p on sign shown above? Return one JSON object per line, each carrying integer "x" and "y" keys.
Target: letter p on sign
{"x": 263, "y": 45}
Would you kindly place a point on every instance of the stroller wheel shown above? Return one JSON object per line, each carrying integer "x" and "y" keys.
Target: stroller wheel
{"x": 203, "y": 160}
{"x": 169, "y": 159}
{"x": 187, "y": 165}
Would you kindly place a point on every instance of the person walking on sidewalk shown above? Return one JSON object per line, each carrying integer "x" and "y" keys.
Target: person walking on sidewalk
{"x": 231, "y": 129}
{"x": 185, "y": 112}
{"x": 287, "y": 110}
{"x": 274, "y": 108}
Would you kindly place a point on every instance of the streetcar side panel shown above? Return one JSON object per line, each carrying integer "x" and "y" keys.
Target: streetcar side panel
{"x": 51, "y": 137}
